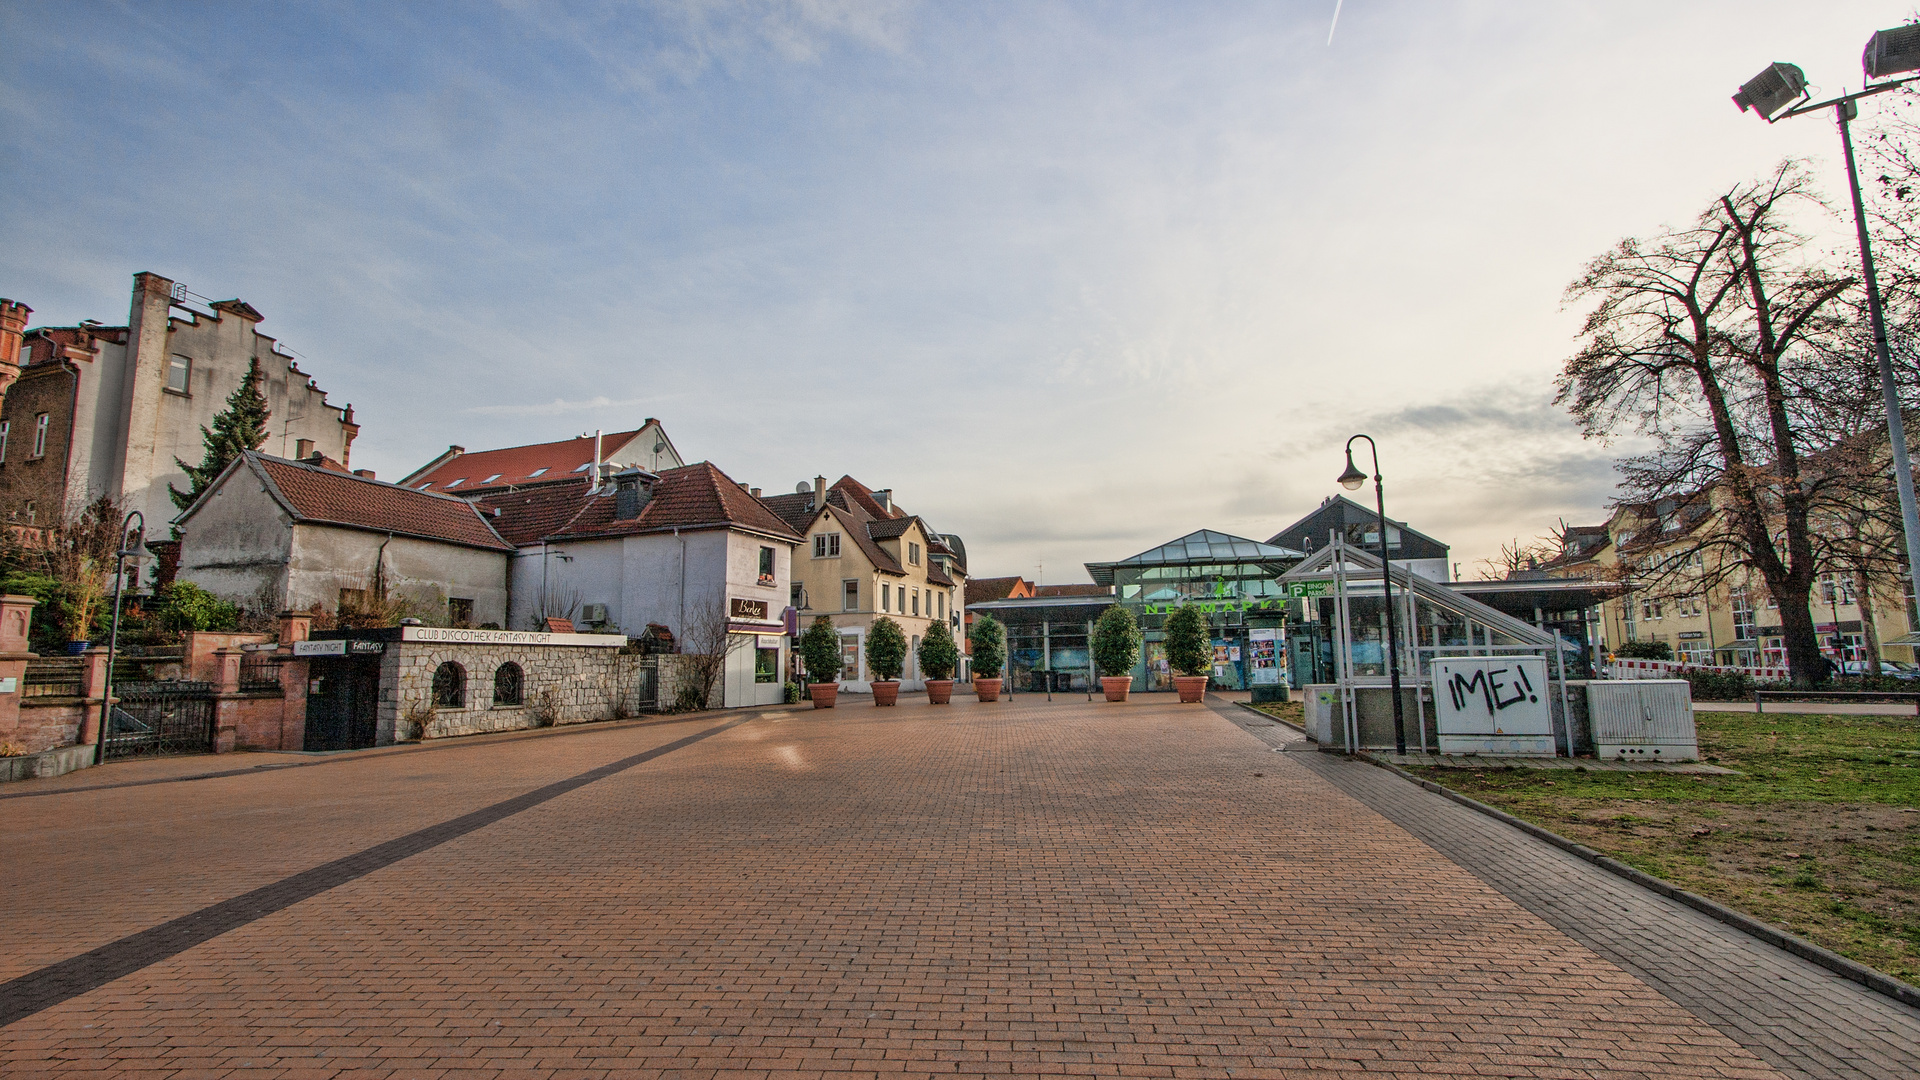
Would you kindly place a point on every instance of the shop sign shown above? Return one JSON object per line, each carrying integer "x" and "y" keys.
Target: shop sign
{"x": 1692, "y": 635}
{"x": 1305, "y": 589}
{"x": 320, "y": 648}
{"x": 767, "y": 641}
{"x": 747, "y": 609}
{"x": 463, "y": 636}
{"x": 1208, "y": 607}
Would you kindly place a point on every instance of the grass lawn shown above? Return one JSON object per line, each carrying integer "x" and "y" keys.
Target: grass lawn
{"x": 1820, "y": 834}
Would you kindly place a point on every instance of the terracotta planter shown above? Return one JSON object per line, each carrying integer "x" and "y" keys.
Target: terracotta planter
{"x": 824, "y": 694}
{"x": 1116, "y": 686}
{"x": 886, "y": 691}
{"x": 1191, "y": 687}
{"x": 939, "y": 691}
{"x": 987, "y": 689}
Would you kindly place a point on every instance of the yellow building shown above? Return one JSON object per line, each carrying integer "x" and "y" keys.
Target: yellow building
{"x": 864, "y": 557}
{"x": 1658, "y": 551}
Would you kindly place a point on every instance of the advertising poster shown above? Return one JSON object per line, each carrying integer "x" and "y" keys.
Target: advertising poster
{"x": 1266, "y": 662}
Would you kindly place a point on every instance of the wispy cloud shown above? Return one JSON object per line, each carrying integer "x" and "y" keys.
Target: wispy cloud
{"x": 561, "y": 407}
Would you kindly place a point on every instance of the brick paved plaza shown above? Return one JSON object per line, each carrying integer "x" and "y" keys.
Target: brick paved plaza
{"x": 1014, "y": 889}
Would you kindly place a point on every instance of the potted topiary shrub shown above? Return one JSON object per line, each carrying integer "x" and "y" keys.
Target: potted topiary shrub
{"x": 989, "y": 641}
{"x": 1116, "y": 647}
{"x": 820, "y": 651}
{"x": 1189, "y": 651}
{"x": 886, "y": 655}
{"x": 938, "y": 657}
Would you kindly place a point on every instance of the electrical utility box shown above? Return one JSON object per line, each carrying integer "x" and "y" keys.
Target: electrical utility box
{"x": 1495, "y": 705}
{"x": 1642, "y": 720}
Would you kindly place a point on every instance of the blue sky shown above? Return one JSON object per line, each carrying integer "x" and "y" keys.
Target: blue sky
{"x": 1072, "y": 279}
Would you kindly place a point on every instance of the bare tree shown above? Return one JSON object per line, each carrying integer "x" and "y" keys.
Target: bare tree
{"x": 558, "y": 602}
{"x": 1727, "y": 343}
{"x": 1517, "y": 555}
{"x": 707, "y": 640}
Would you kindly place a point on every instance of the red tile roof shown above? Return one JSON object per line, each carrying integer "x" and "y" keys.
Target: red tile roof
{"x": 981, "y": 590}
{"x": 796, "y": 509}
{"x": 1073, "y": 590}
{"x": 518, "y": 464}
{"x": 532, "y": 511}
{"x": 314, "y": 493}
{"x": 695, "y": 495}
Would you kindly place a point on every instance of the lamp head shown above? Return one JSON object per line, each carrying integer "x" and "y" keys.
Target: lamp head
{"x": 1352, "y": 478}
{"x": 1891, "y": 52}
{"x": 1767, "y": 93}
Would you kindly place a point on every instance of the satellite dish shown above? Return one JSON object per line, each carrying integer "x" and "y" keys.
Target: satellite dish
{"x": 659, "y": 446}
{"x": 802, "y": 488}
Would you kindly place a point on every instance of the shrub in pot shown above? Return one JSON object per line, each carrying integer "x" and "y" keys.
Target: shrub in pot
{"x": 989, "y": 641}
{"x": 1116, "y": 647}
{"x": 886, "y": 655}
{"x": 1189, "y": 651}
{"x": 820, "y": 651}
{"x": 938, "y": 657}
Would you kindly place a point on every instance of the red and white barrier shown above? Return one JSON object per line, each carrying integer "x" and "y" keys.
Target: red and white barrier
{"x": 1672, "y": 669}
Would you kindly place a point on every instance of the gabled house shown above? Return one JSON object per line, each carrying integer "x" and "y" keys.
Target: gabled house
{"x": 1360, "y": 526}
{"x": 687, "y": 549}
{"x": 458, "y": 472}
{"x": 864, "y": 557}
{"x": 274, "y": 534}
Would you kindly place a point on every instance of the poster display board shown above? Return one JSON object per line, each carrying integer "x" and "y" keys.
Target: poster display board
{"x": 1493, "y": 705}
{"x": 1267, "y": 659}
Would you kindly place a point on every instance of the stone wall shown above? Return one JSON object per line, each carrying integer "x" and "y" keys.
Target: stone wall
{"x": 559, "y": 685}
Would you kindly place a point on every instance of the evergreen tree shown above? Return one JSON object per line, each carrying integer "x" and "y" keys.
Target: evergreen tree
{"x": 240, "y": 427}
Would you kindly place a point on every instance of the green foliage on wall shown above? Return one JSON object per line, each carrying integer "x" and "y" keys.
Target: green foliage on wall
{"x": 1644, "y": 650}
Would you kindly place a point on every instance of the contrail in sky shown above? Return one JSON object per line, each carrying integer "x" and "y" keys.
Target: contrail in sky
{"x": 1336, "y": 20}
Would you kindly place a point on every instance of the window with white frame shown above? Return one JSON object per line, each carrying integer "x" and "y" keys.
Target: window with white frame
{"x": 1742, "y": 604}
{"x": 913, "y": 553}
{"x": 826, "y": 546}
{"x": 40, "y": 435}
{"x": 886, "y": 596}
{"x": 179, "y": 370}
{"x": 850, "y": 595}
{"x": 1836, "y": 590}
{"x": 916, "y": 603}
{"x": 5, "y": 425}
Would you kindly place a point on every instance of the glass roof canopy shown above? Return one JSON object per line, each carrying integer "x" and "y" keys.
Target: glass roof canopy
{"x": 1200, "y": 549}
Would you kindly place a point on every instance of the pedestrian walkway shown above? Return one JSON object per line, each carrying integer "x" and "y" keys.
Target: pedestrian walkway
{"x": 1025, "y": 888}
{"x": 1801, "y": 1018}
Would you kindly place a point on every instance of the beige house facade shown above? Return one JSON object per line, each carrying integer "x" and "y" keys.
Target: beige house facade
{"x": 863, "y": 557}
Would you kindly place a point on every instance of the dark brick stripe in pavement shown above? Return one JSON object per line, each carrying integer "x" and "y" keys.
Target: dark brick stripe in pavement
{"x": 36, "y": 990}
{"x": 1799, "y": 1017}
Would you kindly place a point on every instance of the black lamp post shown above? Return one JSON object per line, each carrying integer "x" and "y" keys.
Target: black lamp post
{"x": 127, "y": 551}
{"x": 1351, "y": 480}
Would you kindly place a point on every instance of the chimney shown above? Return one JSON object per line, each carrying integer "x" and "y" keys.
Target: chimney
{"x": 13, "y": 324}
{"x": 301, "y": 447}
{"x": 755, "y": 492}
{"x": 885, "y": 498}
{"x": 632, "y": 490}
{"x": 368, "y": 473}
{"x": 819, "y": 492}
{"x": 596, "y": 459}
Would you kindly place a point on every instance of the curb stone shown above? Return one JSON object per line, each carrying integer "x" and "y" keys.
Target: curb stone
{"x": 1877, "y": 981}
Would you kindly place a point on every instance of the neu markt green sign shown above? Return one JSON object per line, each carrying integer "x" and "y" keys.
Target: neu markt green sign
{"x": 1309, "y": 588}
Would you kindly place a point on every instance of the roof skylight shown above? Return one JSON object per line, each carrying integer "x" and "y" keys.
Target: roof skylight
{"x": 536, "y": 472}
{"x": 491, "y": 479}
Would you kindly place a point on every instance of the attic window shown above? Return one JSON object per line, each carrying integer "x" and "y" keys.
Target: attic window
{"x": 491, "y": 479}
{"x": 536, "y": 472}
{"x": 456, "y": 483}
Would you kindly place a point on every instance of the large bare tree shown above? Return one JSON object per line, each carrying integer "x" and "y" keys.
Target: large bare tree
{"x": 1730, "y": 344}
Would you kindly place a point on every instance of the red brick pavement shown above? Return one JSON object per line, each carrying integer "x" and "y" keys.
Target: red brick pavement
{"x": 1021, "y": 889}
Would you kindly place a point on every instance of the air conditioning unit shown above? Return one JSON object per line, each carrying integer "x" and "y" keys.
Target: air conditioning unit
{"x": 1642, "y": 720}
{"x": 593, "y": 613}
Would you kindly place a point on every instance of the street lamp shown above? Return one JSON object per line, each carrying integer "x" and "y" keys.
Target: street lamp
{"x": 126, "y": 551}
{"x": 1772, "y": 95}
{"x": 1351, "y": 480}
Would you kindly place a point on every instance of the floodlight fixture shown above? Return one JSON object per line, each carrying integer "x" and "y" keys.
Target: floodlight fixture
{"x": 1891, "y": 52}
{"x": 1767, "y": 93}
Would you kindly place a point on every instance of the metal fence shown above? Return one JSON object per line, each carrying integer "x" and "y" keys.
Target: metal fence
{"x": 160, "y": 718}
{"x": 260, "y": 672}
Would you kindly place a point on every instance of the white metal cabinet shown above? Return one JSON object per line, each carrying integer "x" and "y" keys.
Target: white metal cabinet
{"x": 1643, "y": 720}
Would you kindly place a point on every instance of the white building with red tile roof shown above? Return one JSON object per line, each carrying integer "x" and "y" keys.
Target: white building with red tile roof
{"x": 460, "y": 472}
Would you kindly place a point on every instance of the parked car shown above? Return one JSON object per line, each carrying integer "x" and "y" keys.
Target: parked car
{"x": 1897, "y": 669}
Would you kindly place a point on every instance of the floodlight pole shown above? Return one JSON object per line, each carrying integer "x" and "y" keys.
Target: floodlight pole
{"x": 1386, "y": 580}
{"x": 1845, "y": 110}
